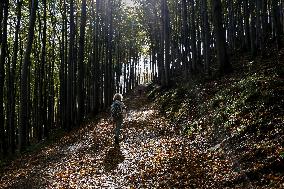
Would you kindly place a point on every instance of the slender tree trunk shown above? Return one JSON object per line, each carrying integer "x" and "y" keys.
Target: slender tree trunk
{"x": 96, "y": 61}
{"x": 63, "y": 67}
{"x": 11, "y": 117}
{"x": 252, "y": 28}
{"x": 193, "y": 37}
{"x": 24, "y": 80}
{"x": 247, "y": 24}
{"x": 43, "y": 78}
{"x": 166, "y": 41}
{"x": 81, "y": 89}
{"x": 239, "y": 42}
{"x": 4, "y": 54}
{"x": 36, "y": 96}
{"x": 222, "y": 57}
{"x": 258, "y": 26}
{"x": 71, "y": 57}
{"x": 264, "y": 23}
{"x": 110, "y": 56}
{"x": 231, "y": 31}
{"x": 206, "y": 42}
{"x": 160, "y": 61}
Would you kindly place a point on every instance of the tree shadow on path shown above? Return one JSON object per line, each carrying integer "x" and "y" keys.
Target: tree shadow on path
{"x": 113, "y": 157}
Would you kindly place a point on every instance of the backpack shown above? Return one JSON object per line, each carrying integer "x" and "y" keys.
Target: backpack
{"x": 116, "y": 110}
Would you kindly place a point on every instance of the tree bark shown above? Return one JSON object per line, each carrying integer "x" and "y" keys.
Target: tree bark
{"x": 252, "y": 29}
{"x": 166, "y": 42}
{"x": 222, "y": 57}
{"x": 81, "y": 89}
{"x": 193, "y": 37}
{"x": 4, "y": 54}
{"x": 247, "y": 24}
{"x": 24, "y": 123}
{"x": 185, "y": 40}
{"x": 264, "y": 23}
{"x": 206, "y": 42}
{"x": 43, "y": 78}
{"x": 70, "y": 79}
{"x": 12, "y": 90}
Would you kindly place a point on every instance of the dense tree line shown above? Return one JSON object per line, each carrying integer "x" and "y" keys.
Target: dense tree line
{"x": 187, "y": 36}
{"x": 60, "y": 62}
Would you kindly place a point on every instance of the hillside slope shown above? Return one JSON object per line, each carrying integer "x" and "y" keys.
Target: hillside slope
{"x": 238, "y": 118}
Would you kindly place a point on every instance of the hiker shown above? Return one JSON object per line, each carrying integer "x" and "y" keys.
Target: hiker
{"x": 117, "y": 109}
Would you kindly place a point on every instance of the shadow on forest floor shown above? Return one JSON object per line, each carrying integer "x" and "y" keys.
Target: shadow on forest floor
{"x": 113, "y": 157}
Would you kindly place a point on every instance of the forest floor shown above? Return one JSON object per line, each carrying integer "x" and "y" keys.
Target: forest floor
{"x": 150, "y": 155}
{"x": 225, "y": 133}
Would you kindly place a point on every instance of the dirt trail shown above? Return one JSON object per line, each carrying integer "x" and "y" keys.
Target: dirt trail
{"x": 151, "y": 154}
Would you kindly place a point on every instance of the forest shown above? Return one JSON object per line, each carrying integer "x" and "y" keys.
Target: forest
{"x": 209, "y": 70}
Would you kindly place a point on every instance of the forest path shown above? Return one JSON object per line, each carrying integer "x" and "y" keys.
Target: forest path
{"x": 151, "y": 154}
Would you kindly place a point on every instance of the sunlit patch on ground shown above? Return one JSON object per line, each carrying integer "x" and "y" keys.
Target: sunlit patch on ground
{"x": 139, "y": 115}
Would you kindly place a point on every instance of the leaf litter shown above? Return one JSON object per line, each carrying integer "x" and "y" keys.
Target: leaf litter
{"x": 151, "y": 154}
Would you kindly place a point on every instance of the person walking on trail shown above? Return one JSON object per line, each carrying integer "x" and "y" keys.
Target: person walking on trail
{"x": 117, "y": 109}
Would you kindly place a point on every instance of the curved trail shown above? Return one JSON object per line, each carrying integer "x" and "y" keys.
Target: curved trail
{"x": 150, "y": 155}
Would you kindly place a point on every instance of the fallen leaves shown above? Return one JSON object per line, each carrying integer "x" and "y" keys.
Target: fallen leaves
{"x": 151, "y": 154}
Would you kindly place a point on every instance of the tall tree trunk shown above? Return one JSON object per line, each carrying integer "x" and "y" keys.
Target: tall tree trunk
{"x": 96, "y": 61}
{"x": 24, "y": 80}
{"x": 193, "y": 37}
{"x": 160, "y": 61}
{"x": 252, "y": 28}
{"x": 110, "y": 55}
{"x": 247, "y": 24}
{"x": 231, "y": 31}
{"x": 81, "y": 89}
{"x": 43, "y": 78}
{"x": 222, "y": 57}
{"x": 70, "y": 80}
{"x": 166, "y": 42}
{"x": 264, "y": 23}
{"x": 12, "y": 97}
{"x": 206, "y": 33}
{"x": 258, "y": 26}
{"x": 4, "y": 54}
{"x": 63, "y": 67}
{"x": 185, "y": 39}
